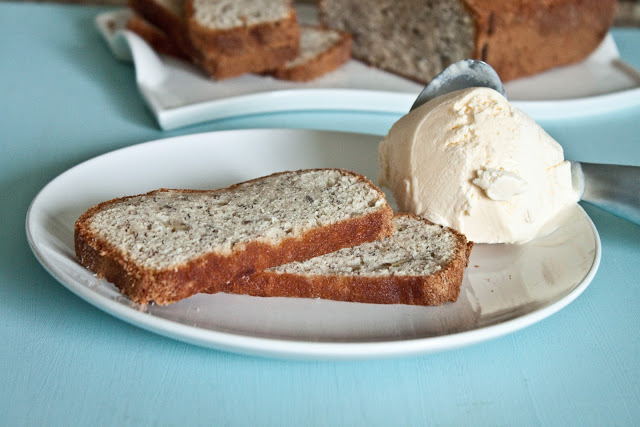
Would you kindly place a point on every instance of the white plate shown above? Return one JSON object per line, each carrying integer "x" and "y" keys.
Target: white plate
{"x": 179, "y": 94}
{"x": 506, "y": 287}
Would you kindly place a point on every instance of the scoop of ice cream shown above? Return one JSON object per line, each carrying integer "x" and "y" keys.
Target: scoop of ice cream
{"x": 471, "y": 161}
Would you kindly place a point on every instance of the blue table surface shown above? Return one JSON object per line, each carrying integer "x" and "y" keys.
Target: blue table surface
{"x": 64, "y": 99}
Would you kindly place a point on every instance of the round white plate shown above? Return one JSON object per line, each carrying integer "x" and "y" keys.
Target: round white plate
{"x": 506, "y": 287}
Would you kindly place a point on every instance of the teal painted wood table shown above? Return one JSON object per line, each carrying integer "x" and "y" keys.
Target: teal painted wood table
{"x": 65, "y": 99}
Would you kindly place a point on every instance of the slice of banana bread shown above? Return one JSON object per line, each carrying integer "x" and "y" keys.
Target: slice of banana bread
{"x": 167, "y": 245}
{"x": 234, "y": 37}
{"x": 321, "y": 50}
{"x": 421, "y": 264}
{"x": 169, "y": 17}
{"x": 155, "y": 37}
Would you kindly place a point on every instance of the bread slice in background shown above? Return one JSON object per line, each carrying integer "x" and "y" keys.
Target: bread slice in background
{"x": 219, "y": 66}
{"x": 224, "y": 66}
{"x": 231, "y": 27}
{"x": 155, "y": 37}
{"x": 420, "y": 264}
{"x": 234, "y": 37}
{"x": 167, "y": 245}
{"x": 321, "y": 50}
{"x": 169, "y": 17}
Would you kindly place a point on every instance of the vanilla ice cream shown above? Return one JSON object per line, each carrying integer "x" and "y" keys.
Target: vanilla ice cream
{"x": 471, "y": 161}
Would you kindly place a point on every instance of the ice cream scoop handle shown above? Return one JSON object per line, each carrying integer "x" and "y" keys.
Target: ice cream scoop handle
{"x": 614, "y": 188}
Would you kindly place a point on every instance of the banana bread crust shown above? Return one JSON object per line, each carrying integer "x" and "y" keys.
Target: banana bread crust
{"x": 172, "y": 25}
{"x": 521, "y": 38}
{"x": 155, "y": 37}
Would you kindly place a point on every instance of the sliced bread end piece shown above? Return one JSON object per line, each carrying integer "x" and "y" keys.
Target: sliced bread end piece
{"x": 227, "y": 66}
{"x": 247, "y": 36}
{"x": 167, "y": 245}
{"x": 155, "y": 37}
{"x": 321, "y": 50}
{"x": 168, "y": 16}
{"x": 233, "y": 27}
{"x": 420, "y": 264}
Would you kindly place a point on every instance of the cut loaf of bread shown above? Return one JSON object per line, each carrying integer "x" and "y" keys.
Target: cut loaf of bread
{"x": 419, "y": 38}
{"x": 233, "y": 37}
{"x": 167, "y": 245}
{"x": 321, "y": 50}
{"x": 168, "y": 16}
{"x": 420, "y": 264}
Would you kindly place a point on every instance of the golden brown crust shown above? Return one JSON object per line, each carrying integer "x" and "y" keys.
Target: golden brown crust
{"x": 155, "y": 37}
{"x": 521, "y": 38}
{"x": 321, "y": 64}
{"x": 226, "y": 66}
{"x": 172, "y": 25}
{"x": 434, "y": 289}
{"x": 211, "y": 271}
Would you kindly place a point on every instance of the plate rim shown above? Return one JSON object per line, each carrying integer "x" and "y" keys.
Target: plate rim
{"x": 294, "y": 348}
{"x": 355, "y": 100}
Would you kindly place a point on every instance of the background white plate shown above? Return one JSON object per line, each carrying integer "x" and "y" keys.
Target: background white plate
{"x": 506, "y": 287}
{"x": 179, "y": 94}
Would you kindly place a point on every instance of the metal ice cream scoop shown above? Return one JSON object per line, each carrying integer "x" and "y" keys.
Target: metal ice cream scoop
{"x": 614, "y": 188}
